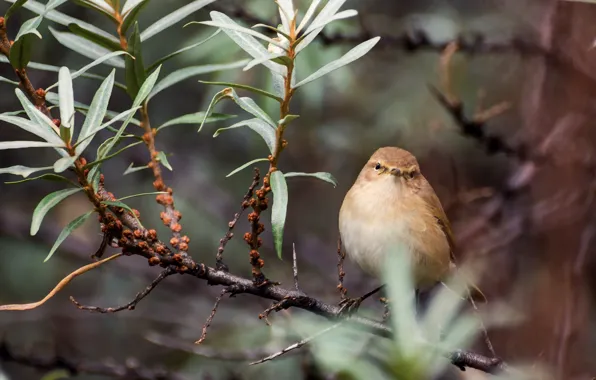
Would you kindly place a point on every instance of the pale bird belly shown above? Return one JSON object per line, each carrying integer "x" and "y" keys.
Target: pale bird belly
{"x": 368, "y": 233}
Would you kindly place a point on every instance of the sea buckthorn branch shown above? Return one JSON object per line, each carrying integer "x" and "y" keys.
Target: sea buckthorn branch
{"x": 170, "y": 216}
{"x": 219, "y": 264}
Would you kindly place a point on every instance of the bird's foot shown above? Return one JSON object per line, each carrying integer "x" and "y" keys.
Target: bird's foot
{"x": 349, "y": 306}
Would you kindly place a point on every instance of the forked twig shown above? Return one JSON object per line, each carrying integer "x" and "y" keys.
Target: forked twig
{"x": 297, "y": 345}
{"x": 211, "y": 316}
{"x": 132, "y": 304}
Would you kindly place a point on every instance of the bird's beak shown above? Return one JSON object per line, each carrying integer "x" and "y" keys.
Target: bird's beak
{"x": 395, "y": 171}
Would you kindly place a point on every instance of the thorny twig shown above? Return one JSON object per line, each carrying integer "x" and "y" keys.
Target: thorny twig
{"x": 219, "y": 265}
{"x": 211, "y": 316}
{"x": 341, "y": 256}
{"x": 295, "y": 268}
{"x": 297, "y": 345}
{"x": 129, "y": 370}
{"x": 132, "y": 304}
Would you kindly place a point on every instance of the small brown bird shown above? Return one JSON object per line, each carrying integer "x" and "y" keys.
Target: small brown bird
{"x": 392, "y": 205}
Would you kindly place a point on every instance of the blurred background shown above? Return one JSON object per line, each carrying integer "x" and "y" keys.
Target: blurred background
{"x": 527, "y": 219}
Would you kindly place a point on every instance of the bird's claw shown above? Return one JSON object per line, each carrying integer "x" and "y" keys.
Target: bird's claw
{"x": 349, "y": 306}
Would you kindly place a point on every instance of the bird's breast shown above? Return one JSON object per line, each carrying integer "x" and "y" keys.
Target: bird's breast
{"x": 377, "y": 220}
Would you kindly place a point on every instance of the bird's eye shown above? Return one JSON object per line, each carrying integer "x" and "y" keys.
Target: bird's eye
{"x": 378, "y": 166}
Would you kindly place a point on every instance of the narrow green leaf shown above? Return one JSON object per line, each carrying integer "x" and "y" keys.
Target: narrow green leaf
{"x": 20, "y": 52}
{"x": 55, "y": 69}
{"x": 245, "y": 87}
{"x": 53, "y": 4}
{"x": 29, "y": 27}
{"x": 248, "y": 43}
{"x": 195, "y": 118}
{"x": 180, "y": 51}
{"x": 251, "y": 107}
{"x": 111, "y": 44}
{"x": 338, "y": 16}
{"x": 216, "y": 98}
{"x": 308, "y": 15}
{"x": 101, "y": 7}
{"x": 277, "y": 31}
{"x": 73, "y": 225}
{"x": 84, "y": 69}
{"x": 47, "y": 176}
{"x": 131, "y": 17}
{"x": 288, "y": 119}
{"x": 6, "y": 80}
{"x": 23, "y": 171}
{"x": 237, "y": 28}
{"x": 97, "y": 111}
{"x": 327, "y": 177}
{"x": 58, "y": 17}
{"x": 85, "y": 48}
{"x": 66, "y": 98}
{"x": 142, "y": 195}
{"x": 135, "y": 69}
{"x": 52, "y": 97}
{"x": 110, "y": 156}
{"x": 31, "y": 127}
{"x": 124, "y": 206}
{"x": 187, "y": 72}
{"x": 258, "y": 61}
{"x": 26, "y": 144}
{"x": 64, "y": 163}
{"x": 328, "y": 11}
{"x": 141, "y": 97}
{"x": 161, "y": 157}
{"x": 286, "y": 13}
{"x": 244, "y": 166}
{"x": 13, "y": 8}
{"x": 279, "y": 209}
{"x": 132, "y": 169}
{"x": 257, "y": 125}
{"x": 46, "y": 205}
{"x": 129, "y": 5}
{"x": 173, "y": 18}
{"x": 347, "y": 58}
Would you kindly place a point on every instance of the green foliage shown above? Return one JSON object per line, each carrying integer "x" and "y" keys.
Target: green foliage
{"x": 46, "y": 204}
{"x": 327, "y": 177}
{"x": 73, "y": 225}
{"x": 135, "y": 69}
{"x": 279, "y": 210}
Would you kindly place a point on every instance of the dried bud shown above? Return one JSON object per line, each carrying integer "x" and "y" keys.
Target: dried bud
{"x": 253, "y": 216}
{"x": 254, "y": 254}
{"x": 252, "y": 202}
{"x": 57, "y": 124}
{"x": 101, "y": 178}
{"x": 136, "y": 212}
{"x": 182, "y": 269}
{"x": 154, "y": 261}
{"x": 284, "y": 143}
{"x": 170, "y": 191}
{"x": 160, "y": 249}
{"x": 152, "y": 234}
{"x": 247, "y": 237}
{"x": 174, "y": 241}
{"x": 40, "y": 92}
{"x": 270, "y": 158}
{"x": 183, "y": 247}
{"x": 177, "y": 258}
{"x": 127, "y": 234}
{"x": 143, "y": 245}
{"x": 147, "y": 138}
{"x": 260, "y": 228}
{"x": 176, "y": 227}
{"x": 259, "y": 242}
{"x": 177, "y": 214}
{"x": 137, "y": 234}
{"x": 185, "y": 239}
{"x": 260, "y": 193}
{"x": 260, "y": 263}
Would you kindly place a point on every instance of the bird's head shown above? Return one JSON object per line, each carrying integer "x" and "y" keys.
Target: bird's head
{"x": 390, "y": 164}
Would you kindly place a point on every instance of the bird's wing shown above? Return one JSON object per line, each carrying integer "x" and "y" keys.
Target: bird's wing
{"x": 427, "y": 193}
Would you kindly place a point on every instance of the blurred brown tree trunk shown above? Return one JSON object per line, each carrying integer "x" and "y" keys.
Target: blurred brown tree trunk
{"x": 559, "y": 114}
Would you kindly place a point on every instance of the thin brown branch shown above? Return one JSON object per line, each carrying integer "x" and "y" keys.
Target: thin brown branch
{"x": 129, "y": 370}
{"x": 132, "y": 304}
{"x": 229, "y": 234}
{"x": 295, "y": 268}
{"x": 340, "y": 270}
{"x": 296, "y": 345}
{"x": 211, "y": 316}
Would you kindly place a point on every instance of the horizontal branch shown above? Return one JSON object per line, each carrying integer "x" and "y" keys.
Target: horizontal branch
{"x": 130, "y": 370}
